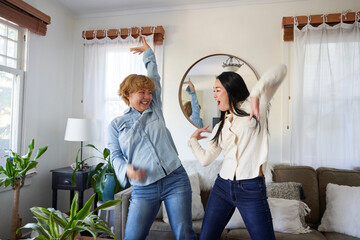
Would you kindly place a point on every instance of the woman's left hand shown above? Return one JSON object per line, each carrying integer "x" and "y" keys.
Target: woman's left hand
{"x": 254, "y": 108}
{"x": 140, "y": 49}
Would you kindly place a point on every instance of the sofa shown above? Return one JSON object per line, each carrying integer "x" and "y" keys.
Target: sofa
{"x": 314, "y": 184}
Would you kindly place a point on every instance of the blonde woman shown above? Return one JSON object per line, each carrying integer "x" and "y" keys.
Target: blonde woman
{"x": 143, "y": 154}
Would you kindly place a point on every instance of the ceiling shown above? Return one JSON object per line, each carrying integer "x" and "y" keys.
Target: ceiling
{"x": 84, "y": 8}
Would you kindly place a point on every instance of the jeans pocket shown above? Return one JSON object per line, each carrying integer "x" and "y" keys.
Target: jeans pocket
{"x": 251, "y": 187}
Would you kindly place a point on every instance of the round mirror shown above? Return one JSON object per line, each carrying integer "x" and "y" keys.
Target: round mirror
{"x": 196, "y": 87}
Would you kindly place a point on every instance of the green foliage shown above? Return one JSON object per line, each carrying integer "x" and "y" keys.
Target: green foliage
{"x": 17, "y": 166}
{"x": 53, "y": 224}
{"x": 98, "y": 179}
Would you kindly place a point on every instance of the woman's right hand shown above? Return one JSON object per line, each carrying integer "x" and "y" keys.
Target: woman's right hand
{"x": 197, "y": 133}
{"x": 135, "y": 174}
{"x": 191, "y": 85}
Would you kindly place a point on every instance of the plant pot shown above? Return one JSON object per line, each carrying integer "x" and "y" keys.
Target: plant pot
{"x": 109, "y": 187}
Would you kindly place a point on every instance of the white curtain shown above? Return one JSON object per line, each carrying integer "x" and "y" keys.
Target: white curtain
{"x": 106, "y": 63}
{"x": 325, "y": 88}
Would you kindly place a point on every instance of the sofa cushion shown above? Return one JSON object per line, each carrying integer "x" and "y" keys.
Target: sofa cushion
{"x": 308, "y": 178}
{"x": 285, "y": 214}
{"x": 342, "y": 210}
{"x": 197, "y": 207}
{"x": 243, "y": 234}
{"x": 336, "y": 176}
{"x": 338, "y": 236}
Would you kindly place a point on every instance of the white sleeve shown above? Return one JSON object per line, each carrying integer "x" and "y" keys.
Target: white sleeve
{"x": 208, "y": 155}
{"x": 269, "y": 83}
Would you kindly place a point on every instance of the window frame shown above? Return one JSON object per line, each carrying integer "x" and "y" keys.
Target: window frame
{"x": 18, "y": 87}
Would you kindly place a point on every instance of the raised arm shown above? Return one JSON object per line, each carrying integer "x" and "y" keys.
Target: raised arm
{"x": 265, "y": 89}
{"x": 195, "y": 107}
{"x": 151, "y": 67}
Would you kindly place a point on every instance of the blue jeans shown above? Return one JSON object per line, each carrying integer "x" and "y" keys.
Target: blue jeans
{"x": 249, "y": 196}
{"x": 175, "y": 191}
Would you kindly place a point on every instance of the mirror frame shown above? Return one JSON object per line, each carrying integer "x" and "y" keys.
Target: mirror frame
{"x": 187, "y": 71}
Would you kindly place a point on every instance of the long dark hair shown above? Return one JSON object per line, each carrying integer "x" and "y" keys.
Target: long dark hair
{"x": 237, "y": 91}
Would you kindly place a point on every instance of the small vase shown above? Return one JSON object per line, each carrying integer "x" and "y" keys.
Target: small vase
{"x": 109, "y": 187}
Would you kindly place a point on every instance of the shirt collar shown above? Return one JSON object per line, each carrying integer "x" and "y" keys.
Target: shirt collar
{"x": 133, "y": 110}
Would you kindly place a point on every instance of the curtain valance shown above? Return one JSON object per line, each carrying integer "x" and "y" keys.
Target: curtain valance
{"x": 158, "y": 32}
{"x": 316, "y": 20}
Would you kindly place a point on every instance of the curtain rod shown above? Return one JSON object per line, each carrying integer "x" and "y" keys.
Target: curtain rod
{"x": 331, "y": 19}
{"x": 158, "y": 31}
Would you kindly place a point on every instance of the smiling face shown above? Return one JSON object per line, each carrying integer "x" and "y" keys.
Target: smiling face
{"x": 140, "y": 100}
{"x": 221, "y": 96}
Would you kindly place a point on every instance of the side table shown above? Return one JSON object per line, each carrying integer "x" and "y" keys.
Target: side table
{"x": 61, "y": 179}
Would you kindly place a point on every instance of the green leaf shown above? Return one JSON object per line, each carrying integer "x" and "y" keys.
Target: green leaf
{"x": 54, "y": 227}
{"x": 41, "y": 152}
{"x": 86, "y": 209}
{"x": 10, "y": 168}
{"x": 73, "y": 183}
{"x": 36, "y": 228}
{"x": 107, "y": 204}
{"x": 106, "y": 153}
{"x": 30, "y": 150}
{"x": 31, "y": 165}
{"x": 74, "y": 206}
{"x": 106, "y": 229}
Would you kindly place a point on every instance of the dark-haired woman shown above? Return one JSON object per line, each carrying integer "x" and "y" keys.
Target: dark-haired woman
{"x": 244, "y": 139}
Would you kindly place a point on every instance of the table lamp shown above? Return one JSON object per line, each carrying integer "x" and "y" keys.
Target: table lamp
{"x": 79, "y": 130}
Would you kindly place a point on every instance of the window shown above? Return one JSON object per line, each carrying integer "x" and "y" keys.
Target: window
{"x": 12, "y": 46}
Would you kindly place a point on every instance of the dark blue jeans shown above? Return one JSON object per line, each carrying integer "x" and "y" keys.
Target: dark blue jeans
{"x": 175, "y": 191}
{"x": 249, "y": 196}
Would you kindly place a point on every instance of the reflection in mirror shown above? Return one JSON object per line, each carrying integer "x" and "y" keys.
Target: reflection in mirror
{"x": 196, "y": 88}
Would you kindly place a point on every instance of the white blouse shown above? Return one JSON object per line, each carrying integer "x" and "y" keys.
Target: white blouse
{"x": 245, "y": 145}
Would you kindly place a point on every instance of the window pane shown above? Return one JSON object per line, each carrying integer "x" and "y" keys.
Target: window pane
{"x": 6, "y": 92}
{"x": 2, "y": 60}
{"x": 2, "y": 30}
{"x": 12, "y": 49}
{"x": 2, "y": 46}
{"x": 13, "y": 34}
{"x": 11, "y": 63}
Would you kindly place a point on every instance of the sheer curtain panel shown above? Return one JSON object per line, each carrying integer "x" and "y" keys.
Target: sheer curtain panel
{"x": 106, "y": 64}
{"x": 325, "y": 87}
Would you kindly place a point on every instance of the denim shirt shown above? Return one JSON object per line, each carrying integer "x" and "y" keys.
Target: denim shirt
{"x": 142, "y": 139}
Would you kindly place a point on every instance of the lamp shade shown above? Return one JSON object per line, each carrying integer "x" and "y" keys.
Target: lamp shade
{"x": 79, "y": 129}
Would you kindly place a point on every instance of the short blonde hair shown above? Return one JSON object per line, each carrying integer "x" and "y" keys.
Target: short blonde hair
{"x": 187, "y": 108}
{"x": 134, "y": 83}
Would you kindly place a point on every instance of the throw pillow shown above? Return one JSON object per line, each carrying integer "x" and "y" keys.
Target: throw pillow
{"x": 285, "y": 214}
{"x": 197, "y": 207}
{"x": 342, "y": 210}
{"x": 286, "y": 190}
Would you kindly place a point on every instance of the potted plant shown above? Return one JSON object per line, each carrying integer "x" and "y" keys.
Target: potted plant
{"x": 103, "y": 181}
{"x": 14, "y": 175}
{"x": 53, "y": 224}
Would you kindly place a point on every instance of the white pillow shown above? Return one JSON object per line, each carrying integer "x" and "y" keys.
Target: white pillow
{"x": 285, "y": 214}
{"x": 197, "y": 207}
{"x": 342, "y": 210}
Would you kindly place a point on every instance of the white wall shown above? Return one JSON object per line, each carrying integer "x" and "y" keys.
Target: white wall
{"x": 47, "y": 104}
{"x": 251, "y": 32}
